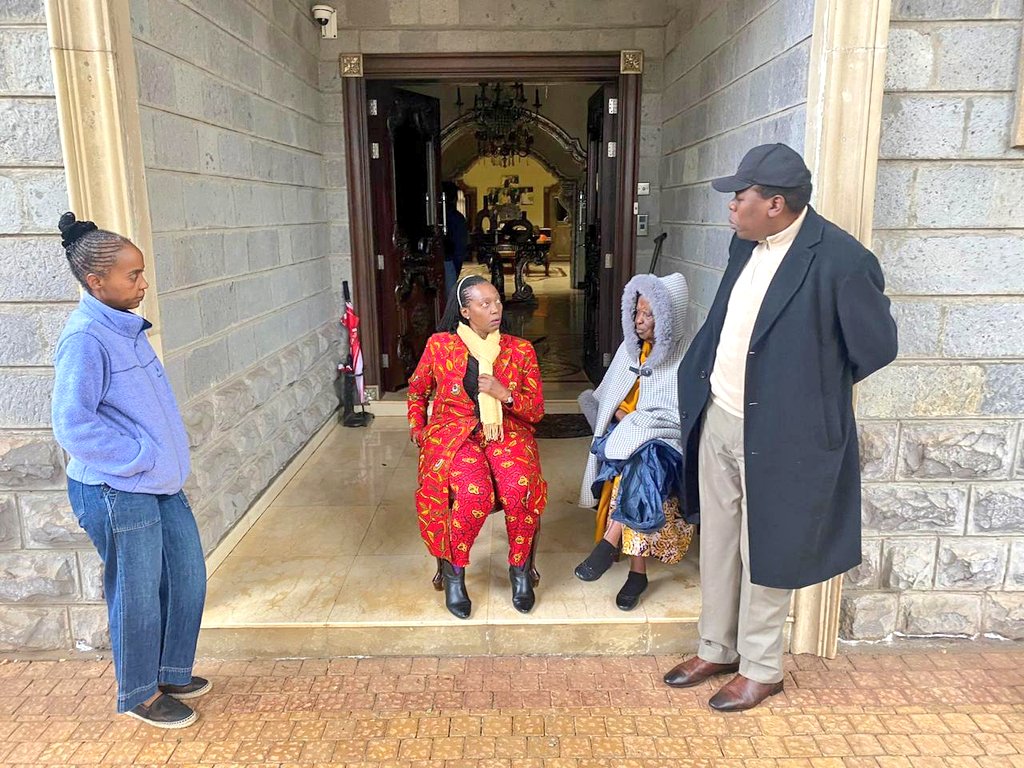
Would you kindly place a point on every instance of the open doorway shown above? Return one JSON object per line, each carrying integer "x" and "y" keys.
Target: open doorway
{"x": 549, "y": 213}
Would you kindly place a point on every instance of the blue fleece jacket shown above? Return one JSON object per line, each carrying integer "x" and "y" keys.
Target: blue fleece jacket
{"x": 113, "y": 408}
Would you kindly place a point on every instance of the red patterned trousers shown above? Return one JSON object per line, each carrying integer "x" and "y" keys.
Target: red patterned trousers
{"x": 478, "y": 468}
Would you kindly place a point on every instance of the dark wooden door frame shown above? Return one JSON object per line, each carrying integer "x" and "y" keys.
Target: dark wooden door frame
{"x": 564, "y": 67}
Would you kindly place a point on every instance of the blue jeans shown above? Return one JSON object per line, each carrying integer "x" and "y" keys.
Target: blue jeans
{"x": 154, "y": 580}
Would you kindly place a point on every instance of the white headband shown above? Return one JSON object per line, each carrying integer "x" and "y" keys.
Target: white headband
{"x": 458, "y": 290}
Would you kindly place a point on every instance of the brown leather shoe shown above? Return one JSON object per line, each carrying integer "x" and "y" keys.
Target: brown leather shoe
{"x": 695, "y": 671}
{"x": 743, "y": 693}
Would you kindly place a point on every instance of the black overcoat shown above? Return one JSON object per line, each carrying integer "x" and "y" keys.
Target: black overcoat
{"x": 824, "y": 325}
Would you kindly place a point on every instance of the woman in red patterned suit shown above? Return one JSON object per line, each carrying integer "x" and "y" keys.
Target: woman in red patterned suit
{"x": 478, "y": 443}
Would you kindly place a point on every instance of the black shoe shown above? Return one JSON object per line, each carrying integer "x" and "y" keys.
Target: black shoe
{"x": 455, "y": 598}
{"x": 523, "y": 596}
{"x": 192, "y": 690}
{"x": 165, "y": 712}
{"x": 597, "y": 562}
{"x": 629, "y": 595}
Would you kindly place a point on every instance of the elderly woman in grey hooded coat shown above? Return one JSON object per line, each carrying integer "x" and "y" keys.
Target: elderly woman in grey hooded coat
{"x": 636, "y": 457}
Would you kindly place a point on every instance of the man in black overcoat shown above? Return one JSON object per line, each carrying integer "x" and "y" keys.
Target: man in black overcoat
{"x": 765, "y": 399}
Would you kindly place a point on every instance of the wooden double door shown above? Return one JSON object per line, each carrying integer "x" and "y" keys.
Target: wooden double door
{"x": 397, "y": 212}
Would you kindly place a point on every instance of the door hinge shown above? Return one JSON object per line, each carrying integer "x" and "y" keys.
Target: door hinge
{"x": 373, "y": 107}
{"x": 380, "y": 261}
{"x": 607, "y": 261}
{"x": 386, "y": 361}
{"x": 606, "y": 359}
{"x": 612, "y": 149}
{"x": 613, "y": 106}
{"x": 375, "y": 151}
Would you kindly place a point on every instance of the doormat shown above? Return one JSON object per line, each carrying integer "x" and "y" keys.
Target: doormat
{"x": 559, "y": 425}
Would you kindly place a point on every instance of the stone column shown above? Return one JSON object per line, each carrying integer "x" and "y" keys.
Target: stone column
{"x": 97, "y": 103}
{"x": 844, "y": 107}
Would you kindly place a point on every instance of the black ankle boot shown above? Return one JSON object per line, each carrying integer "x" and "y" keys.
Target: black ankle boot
{"x": 455, "y": 598}
{"x": 523, "y": 596}
{"x": 597, "y": 562}
{"x": 629, "y": 595}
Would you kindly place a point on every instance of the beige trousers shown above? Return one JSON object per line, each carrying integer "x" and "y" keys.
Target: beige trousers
{"x": 738, "y": 620}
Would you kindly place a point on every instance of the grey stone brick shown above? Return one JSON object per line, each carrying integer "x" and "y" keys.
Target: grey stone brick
{"x": 934, "y": 10}
{"x": 242, "y": 350}
{"x": 989, "y": 329}
{"x": 10, "y": 533}
{"x": 49, "y": 522}
{"x": 44, "y": 198}
{"x": 23, "y": 11}
{"x": 877, "y": 450}
{"x": 960, "y": 450}
{"x": 969, "y": 196}
{"x": 175, "y": 142}
{"x": 865, "y": 575}
{"x": 988, "y": 127}
{"x": 1015, "y": 566}
{"x": 908, "y": 563}
{"x": 939, "y": 613}
{"x": 980, "y": 57}
{"x": 199, "y": 421}
{"x": 91, "y": 568}
{"x": 919, "y": 324}
{"x": 29, "y": 131}
{"x": 1004, "y": 390}
{"x": 914, "y": 509}
{"x": 206, "y": 366}
{"x": 25, "y": 61}
{"x": 30, "y": 461}
{"x": 33, "y": 629}
{"x": 20, "y": 343}
{"x": 867, "y": 616}
{"x": 948, "y": 264}
{"x": 208, "y": 203}
{"x": 25, "y": 397}
{"x": 998, "y": 508}
{"x": 33, "y": 268}
{"x": 30, "y": 577}
{"x": 217, "y": 307}
{"x": 166, "y": 203}
{"x": 236, "y": 256}
{"x": 182, "y": 323}
{"x": 156, "y": 76}
{"x": 970, "y": 564}
{"x": 903, "y": 117}
{"x": 232, "y": 403}
{"x": 1004, "y": 615}
{"x": 934, "y": 391}
{"x": 892, "y": 195}
{"x": 910, "y": 59}
{"x": 89, "y": 628}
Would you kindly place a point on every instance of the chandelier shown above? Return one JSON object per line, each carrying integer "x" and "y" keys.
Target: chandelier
{"x": 503, "y": 121}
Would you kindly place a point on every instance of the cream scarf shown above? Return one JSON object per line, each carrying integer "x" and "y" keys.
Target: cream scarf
{"x": 486, "y": 352}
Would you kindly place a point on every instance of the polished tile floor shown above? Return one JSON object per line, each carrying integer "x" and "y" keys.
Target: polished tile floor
{"x": 340, "y": 546}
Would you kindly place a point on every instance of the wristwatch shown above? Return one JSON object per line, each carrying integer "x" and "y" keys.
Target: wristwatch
{"x": 508, "y": 400}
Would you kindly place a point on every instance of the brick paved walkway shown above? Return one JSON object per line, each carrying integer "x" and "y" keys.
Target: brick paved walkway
{"x": 960, "y": 706}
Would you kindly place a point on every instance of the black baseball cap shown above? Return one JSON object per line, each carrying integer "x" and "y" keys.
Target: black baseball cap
{"x": 768, "y": 165}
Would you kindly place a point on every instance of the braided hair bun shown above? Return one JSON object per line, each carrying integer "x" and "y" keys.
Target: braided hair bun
{"x": 72, "y": 230}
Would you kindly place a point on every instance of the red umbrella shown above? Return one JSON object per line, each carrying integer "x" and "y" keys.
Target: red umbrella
{"x": 354, "y": 362}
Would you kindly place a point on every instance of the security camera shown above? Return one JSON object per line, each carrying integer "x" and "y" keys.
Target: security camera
{"x": 327, "y": 18}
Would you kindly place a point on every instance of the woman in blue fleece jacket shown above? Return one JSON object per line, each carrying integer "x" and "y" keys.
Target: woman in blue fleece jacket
{"x": 115, "y": 415}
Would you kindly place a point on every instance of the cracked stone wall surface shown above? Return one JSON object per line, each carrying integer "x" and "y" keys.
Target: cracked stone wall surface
{"x": 941, "y": 428}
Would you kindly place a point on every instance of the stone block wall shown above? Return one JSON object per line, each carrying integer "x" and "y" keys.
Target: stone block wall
{"x": 735, "y": 77}
{"x": 234, "y": 152}
{"x": 942, "y": 440}
{"x": 48, "y": 598}
{"x": 412, "y": 26}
